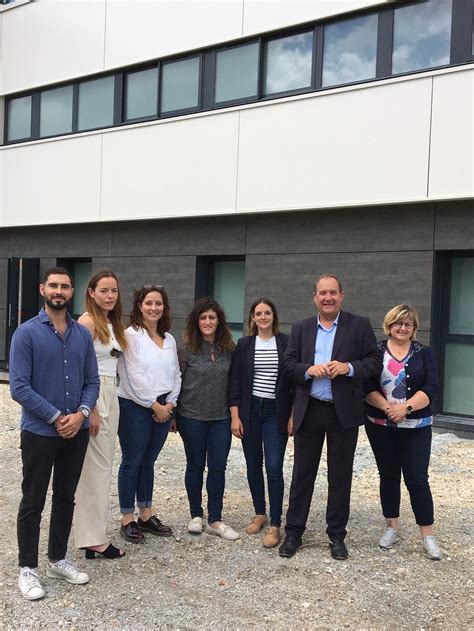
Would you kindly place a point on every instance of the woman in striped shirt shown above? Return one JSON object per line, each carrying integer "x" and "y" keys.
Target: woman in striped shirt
{"x": 260, "y": 400}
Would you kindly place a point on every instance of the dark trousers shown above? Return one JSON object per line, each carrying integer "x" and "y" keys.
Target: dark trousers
{"x": 263, "y": 437}
{"x": 320, "y": 421}
{"x": 42, "y": 455}
{"x": 398, "y": 450}
{"x": 205, "y": 440}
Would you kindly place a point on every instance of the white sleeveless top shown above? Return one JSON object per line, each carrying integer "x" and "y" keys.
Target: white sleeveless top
{"x": 106, "y": 363}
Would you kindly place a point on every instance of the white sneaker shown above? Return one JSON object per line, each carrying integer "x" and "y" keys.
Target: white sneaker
{"x": 195, "y": 526}
{"x": 389, "y": 538}
{"x": 432, "y": 548}
{"x": 67, "y": 571}
{"x": 223, "y": 531}
{"x": 29, "y": 584}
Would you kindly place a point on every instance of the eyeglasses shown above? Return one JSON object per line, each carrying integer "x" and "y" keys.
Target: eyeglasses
{"x": 157, "y": 287}
{"x": 116, "y": 353}
{"x": 400, "y": 325}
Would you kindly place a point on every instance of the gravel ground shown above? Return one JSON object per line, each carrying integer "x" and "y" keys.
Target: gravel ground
{"x": 199, "y": 582}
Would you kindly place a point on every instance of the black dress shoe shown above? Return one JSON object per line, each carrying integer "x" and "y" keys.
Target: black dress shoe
{"x": 289, "y": 547}
{"x": 338, "y": 550}
{"x": 154, "y": 526}
{"x": 131, "y": 533}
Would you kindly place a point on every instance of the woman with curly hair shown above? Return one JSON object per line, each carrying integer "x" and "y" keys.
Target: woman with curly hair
{"x": 203, "y": 419}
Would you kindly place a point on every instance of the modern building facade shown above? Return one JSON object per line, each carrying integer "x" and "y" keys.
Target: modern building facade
{"x": 241, "y": 148}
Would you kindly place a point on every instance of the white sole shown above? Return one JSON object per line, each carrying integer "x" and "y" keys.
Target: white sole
{"x": 68, "y": 580}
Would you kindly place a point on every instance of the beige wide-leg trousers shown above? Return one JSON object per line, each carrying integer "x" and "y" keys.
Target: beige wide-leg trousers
{"x": 93, "y": 491}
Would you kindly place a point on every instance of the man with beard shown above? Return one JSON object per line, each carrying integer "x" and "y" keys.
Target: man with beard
{"x": 54, "y": 377}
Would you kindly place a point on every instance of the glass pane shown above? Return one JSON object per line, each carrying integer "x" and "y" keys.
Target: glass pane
{"x": 180, "y": 85}
{"x": 19, "y": 118}
{"x": 461, "y": 305}
{"x": 289, "y": 63}
{"x": 236, "y": 73}
{"x": 350, "y": 49}
{"x": 142, "y": 92}
{"x": 56, "y": 111}
{"x": 229, "y": 283}
{"x": 82, "y": 273}
{"x": 96, "y": 103}
{"x": 458, "y": 379}
{"x": 421, "y": 36}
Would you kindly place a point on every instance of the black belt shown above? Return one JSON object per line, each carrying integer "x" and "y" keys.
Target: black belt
{"x": 323, "y": 402}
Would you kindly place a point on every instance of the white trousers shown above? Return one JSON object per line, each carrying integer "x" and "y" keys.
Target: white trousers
{"x": 93, "y": 491}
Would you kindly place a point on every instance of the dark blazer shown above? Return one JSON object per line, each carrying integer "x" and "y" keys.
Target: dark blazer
{"x": 355, "y": 343}
{"x": 421, "y": 374}
{"x": 241, "y": 381}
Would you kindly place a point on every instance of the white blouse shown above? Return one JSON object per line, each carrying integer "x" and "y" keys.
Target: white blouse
{"x": 147, "y": 371}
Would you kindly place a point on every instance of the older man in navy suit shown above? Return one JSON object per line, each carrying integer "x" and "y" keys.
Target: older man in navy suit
{"x": 329, "y": 357}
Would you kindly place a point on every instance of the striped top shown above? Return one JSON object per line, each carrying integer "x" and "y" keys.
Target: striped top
{"x": 265, "y": 368}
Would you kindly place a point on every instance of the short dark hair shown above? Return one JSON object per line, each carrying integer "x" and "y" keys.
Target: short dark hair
{"x": 252, "y": 328}
{"x": 57, "y": 270}
{"x": 328, "y": 276}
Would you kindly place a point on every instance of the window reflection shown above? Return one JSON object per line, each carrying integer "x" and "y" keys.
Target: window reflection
{"x": 56, "y": 111}
{"x": 288, "y": 63}
{"x": 236, "y": 73}
{"x": 350, "y": 49}
{"x": 180, "y": 85}
{"x": 421, "y": 36}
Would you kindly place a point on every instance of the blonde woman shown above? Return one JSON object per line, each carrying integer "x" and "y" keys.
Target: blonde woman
{"x": 103, "y": 319}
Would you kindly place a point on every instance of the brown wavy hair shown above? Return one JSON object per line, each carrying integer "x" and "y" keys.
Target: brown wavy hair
{"x": 136, "y": 319}
{"x": 252, "y": 328}
{"x": 97, "y": 315}
{"x": 192, "y": 336}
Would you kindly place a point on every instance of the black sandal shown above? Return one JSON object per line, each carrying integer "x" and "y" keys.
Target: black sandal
{"x": 110, "y": 552}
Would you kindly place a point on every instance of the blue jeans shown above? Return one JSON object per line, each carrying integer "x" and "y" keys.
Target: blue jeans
{"x": 141, "y": 440}
{"x": 211, "y": 440}
{"x": 264, "y": 437}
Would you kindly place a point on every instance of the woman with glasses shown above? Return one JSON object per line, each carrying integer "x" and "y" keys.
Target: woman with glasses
{"x": 150, "y": 382}
{"x": 203, "y": 412}
{"x": 398, "y": 407}
{"x": 260, "y": 400}
{"x": 103, "y": 318}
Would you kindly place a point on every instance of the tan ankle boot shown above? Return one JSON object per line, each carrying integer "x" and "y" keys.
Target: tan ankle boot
{"x": 256, "y": 525}
{"x": 272, "y": 537}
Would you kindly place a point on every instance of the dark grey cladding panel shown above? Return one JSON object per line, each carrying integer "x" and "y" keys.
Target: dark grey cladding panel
{"x": 4, "y": 243}
{"x": 61, "y": 241}
{"x": 198, "y": 236}
{"x": 373, "y": 282}
{"x": 3, "y": 282}
{"x": 384, "y": 228}
{"x": 454, "y": 228}
{"x": 175, "y": 273}
{"x": 177, "y": 329}
{"x": 3, "y": 324}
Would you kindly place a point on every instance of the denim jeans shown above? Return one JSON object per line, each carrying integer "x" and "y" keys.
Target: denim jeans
{"x": 205, "y": 440}
{"x": 264, "y": 437}
{"x": 40, "y": 456}
{"x": 398, "y": 450}
{"x": 141, "y": 440}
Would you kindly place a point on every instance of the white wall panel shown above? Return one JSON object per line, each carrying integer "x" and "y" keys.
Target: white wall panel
{"x": 182, "y": 167}
{"x": 52, "y": 182}
{"x": 262, "y": 15}
{"x": 52, "y": 40}
{"x": 362, "y": 146}
{"x": 145, "y": 29}
{"x": 452, "y": 136}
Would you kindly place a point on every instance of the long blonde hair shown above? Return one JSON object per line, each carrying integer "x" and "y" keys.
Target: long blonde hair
{"x": 97, "y": 315}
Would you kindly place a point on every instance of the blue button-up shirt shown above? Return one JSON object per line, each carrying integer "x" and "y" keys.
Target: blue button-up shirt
{"x": 51, "y": 375}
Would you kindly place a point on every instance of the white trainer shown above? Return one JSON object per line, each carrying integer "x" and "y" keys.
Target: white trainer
{"x": 67, "y": 571}
{"x": 432, "y": 548}
{"x": 29, "y": 584}
{"x": 223, "y": 531}
{"x": 195, "y": 526}
{"x": 389, "y": 538}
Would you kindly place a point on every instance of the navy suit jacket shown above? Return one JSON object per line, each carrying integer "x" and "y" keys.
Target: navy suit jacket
{"x": 355, "y": 343}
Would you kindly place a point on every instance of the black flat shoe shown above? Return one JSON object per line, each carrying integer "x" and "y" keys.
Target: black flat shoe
{"x": 131, "y": 533}
{"x": 110, "y": 552}
{"x": 339, "y": 550}
{"x": 154, "y": 526}
{"x": 289, "y": 547}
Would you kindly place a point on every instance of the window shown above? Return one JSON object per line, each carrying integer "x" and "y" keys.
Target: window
{"x": 350, "y": 49}
{"x": 289, "y": 63}
{"x": 141, "y": 89}
{"x": 236, "y": 73}
{"x": 421, "y": 36}
{"x": 180, "y": 85}
{"x": 56, "y": 111}
{"x": 81, "y": 270}
{"x": 96, "y": 103}
{"x": 19, "y": 118}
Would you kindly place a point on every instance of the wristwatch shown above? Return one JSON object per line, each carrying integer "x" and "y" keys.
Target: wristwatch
{"x": 409, "y": 409}
{"x": 84, "y": 410}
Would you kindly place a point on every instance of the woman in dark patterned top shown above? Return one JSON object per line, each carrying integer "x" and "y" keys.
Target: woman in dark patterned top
{"x": 203, "y": 419}
{"x": 260, "y": 399}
